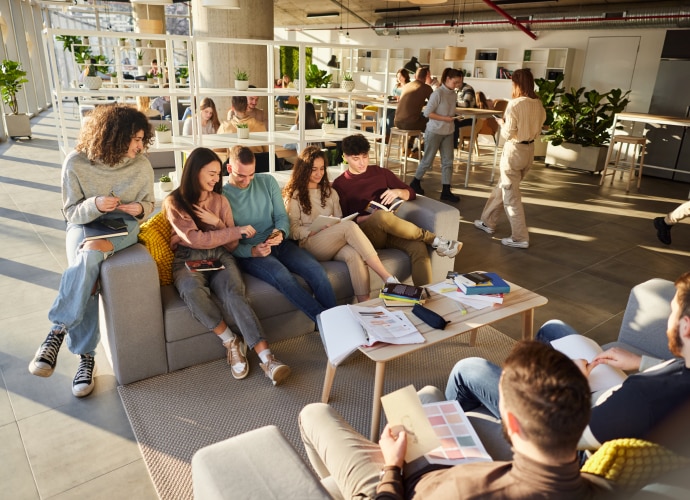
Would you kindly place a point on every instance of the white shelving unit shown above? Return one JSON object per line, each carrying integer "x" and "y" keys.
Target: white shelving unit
{"x": 548, "y": 63}
{"x": 370, "y": 82}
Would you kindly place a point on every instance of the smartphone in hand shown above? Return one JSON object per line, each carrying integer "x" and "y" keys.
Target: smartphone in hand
{"x": 273, "y": 234}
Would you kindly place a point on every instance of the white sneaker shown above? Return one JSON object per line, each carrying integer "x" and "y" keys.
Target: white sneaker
{"x": 446, "y": 248}
{"x": 237, "y": 357}
{"x": 515, "y": 244}
{"x": 275, "y": 370}
{"x": 479, "y": 224}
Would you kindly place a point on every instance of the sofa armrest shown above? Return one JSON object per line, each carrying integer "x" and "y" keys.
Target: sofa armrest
{"x": 132, "y": 315}
{"x": 439, "y": 218}
{"x": 646, "y": 316}
{"x": 257, "y": 464}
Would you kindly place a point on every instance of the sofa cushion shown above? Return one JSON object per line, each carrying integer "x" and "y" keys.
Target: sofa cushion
{"x": 155, "y": 234}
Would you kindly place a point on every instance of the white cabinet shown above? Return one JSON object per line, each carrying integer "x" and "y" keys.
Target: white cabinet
{"x": 549, "y": 63}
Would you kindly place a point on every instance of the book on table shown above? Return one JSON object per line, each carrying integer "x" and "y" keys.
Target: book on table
{"x": 202, "y": 265}
{"x": 345, "y": 328}
{"x": 328, "y": 220}
{"x": 481, "y": 283}
{"x": 440, "y": 432}
{"x": 373, "y": 206}
{"x": 400, "y": 292}
{"x": 602, "y": 377}
{"x": 104, "y": 228}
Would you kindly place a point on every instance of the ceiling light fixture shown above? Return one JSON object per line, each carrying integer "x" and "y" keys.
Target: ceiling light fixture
{"x": 323, "y": 14}
{"x": 399, "y": 9}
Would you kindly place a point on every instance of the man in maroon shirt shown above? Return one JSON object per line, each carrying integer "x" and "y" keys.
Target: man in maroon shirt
{"x": 362, "y": 183}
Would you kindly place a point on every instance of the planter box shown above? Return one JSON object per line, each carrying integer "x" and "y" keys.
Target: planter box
{"x": 589, "y": 159}
{"x": 18, "y": 126}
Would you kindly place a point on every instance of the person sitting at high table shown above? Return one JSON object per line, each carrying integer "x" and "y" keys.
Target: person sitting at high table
{"x": 545, "y": 407}
{"x": 256, "y": 200}
{"x": 630, "y": 410}
{"x": 362, "y": 183}
{"x": 413, "y": 97}
{"x": 204, "y": 229}
{"x": 307, "y": 195}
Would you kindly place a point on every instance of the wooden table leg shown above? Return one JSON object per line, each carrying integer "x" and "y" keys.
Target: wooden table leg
{"x": 376, "y": 404}
{"x": 328, "y": 382}
{"x": 473, "y": 337}
{"x": 528, "y": 324}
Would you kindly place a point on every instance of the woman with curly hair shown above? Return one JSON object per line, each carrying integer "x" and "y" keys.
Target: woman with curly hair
{"x": 204, "y": 229}
{"x": 210, "y": 123}
{"x": 107, "y": 177}
{"x": 307, "y": 195}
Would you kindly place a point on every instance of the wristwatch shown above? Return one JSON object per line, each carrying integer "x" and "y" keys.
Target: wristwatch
{"x": 397, "y": 471}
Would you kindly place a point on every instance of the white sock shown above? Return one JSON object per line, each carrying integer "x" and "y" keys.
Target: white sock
{"x": 226, "y": 335}
{"x": 263, "y": 355}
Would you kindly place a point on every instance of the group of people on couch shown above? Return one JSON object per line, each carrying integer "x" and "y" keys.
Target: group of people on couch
{"x": 244, "y": 224}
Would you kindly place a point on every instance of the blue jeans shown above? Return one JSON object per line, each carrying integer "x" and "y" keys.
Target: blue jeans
{"x": 276, "y": 270}
{"x": 76, "y": 305}
{"x": 226, "y": 284}
{"x": 432, "y": 144}
{"x": 474, "y": 381}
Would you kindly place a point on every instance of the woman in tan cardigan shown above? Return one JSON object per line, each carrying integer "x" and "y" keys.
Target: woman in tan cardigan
{"x": 307, "y": 195}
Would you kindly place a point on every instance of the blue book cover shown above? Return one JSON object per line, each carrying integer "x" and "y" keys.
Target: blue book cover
{"x": 471, "y": 287}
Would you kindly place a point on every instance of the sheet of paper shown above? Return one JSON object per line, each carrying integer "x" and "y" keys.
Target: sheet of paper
{"x": 403, "y": 408}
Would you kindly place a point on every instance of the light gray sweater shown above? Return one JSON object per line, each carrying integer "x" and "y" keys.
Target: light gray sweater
{"x": 83, "y": 181}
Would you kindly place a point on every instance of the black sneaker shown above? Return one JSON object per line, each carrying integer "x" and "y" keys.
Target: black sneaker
{"x": 416, "y": 186}
{"x": 663, "y": 230}
{"x": 45, "y": 359}
{"x": 449, "y": 196}
{"x": 83, "y": 383}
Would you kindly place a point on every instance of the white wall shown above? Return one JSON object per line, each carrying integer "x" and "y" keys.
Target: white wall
{"x": 644, "y": 76}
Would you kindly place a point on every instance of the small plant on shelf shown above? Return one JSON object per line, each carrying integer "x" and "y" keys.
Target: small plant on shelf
{"x": 122, "y": 42}
{"x": 241, "y": 76}
{"x": 242, "y": 125}
{"x": 162, "y": 128}
{"x": 165, "y": 183}
{"x": 183, "y": 73}
{"x": 347, "y": 77}
{"x": 165, "y": 178}
{"x": 242, "y": 130}
{"x": 140, "y": 56}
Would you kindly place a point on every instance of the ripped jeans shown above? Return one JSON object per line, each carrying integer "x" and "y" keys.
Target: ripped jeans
{"x": 76, "y": 305}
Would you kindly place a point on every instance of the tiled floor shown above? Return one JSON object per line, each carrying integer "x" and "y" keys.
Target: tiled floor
{"x": 589, "y": 245}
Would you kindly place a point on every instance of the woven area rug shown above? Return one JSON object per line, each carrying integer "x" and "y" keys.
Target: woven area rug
{"x": 176, "y": 414}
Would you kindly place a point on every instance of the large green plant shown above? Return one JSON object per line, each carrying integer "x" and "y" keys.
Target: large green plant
{"x": 586, "y": 117}
{"x": 11, "y": 81}
{"x": 317, "y": 78}
{"x": 549, "y": 92}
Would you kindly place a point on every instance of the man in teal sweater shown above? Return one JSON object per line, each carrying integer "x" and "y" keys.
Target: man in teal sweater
{"x": 256, "y": 200}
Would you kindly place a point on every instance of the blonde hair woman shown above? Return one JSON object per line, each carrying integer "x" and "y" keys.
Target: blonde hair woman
{"x": 144, "y": 106}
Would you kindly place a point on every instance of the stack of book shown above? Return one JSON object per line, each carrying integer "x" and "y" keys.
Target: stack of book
{"x": 481, "y": 287}
{"x": 399, "y": 294}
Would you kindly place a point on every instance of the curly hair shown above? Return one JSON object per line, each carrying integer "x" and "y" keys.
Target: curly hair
{"x": 107, "y": 134}
{"x": 299, "y": 182}
{"x": 189, "y": 192}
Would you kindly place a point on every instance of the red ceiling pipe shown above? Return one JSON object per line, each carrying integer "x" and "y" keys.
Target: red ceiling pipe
{"x": 511, "y": 19}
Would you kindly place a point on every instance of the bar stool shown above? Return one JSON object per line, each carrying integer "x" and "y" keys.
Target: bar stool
{"x": 397, "y": 146}
{"x": 628, "y": 163}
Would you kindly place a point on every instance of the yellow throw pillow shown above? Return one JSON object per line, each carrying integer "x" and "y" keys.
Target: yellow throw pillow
{"x": 155, "y": 234}
{"x": 631, "y": 463}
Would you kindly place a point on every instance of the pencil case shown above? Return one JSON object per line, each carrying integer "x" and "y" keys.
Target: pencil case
{"x": 429, "y": 317}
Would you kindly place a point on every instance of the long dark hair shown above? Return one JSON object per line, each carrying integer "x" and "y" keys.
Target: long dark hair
{"x": 523, "y": 84}
{"x": 310, "y": 120}
{"x": 299, "y": 182}
{"x": 189, "y": 192}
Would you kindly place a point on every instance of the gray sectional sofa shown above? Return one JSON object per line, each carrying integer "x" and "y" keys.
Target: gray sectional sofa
{"x": 147, "y": 329}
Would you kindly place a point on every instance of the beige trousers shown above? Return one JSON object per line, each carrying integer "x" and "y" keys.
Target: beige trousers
{"x": 347, "y": 243}
{"x": 515, "y": 163}
{"x": 681, "y": 212}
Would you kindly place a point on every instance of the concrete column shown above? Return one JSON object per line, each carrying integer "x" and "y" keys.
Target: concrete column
{"x": 217, "y": 62}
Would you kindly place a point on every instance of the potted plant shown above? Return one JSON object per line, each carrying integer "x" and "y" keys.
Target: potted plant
{"x": 91, "y": 80}
{"x": 183, "y": 75}
{"x": 137, "y": 43}
{"x": 113, "y": 77}
{"x": 140, "y": 63}
{"x": 121, "y": 42}
{"x": 242, "y": 131}
{"x": 549, "y": 92}
{"x": 165, "y": 183}
{"x": 163, "y": 134}
{"x": 12, "y": 77}
{"x": 328, "y": 126}
{"x": 343, "y": 164}
{"x": 241, "y": 80}
{"x": 317, "y": 78}
{"x": 581, "y": 128}
{"x": 347, "y": 83}
{"x": 149, "y": 78}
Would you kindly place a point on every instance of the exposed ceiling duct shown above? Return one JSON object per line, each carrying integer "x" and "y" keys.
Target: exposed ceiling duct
{"x": 618, "y": 17}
